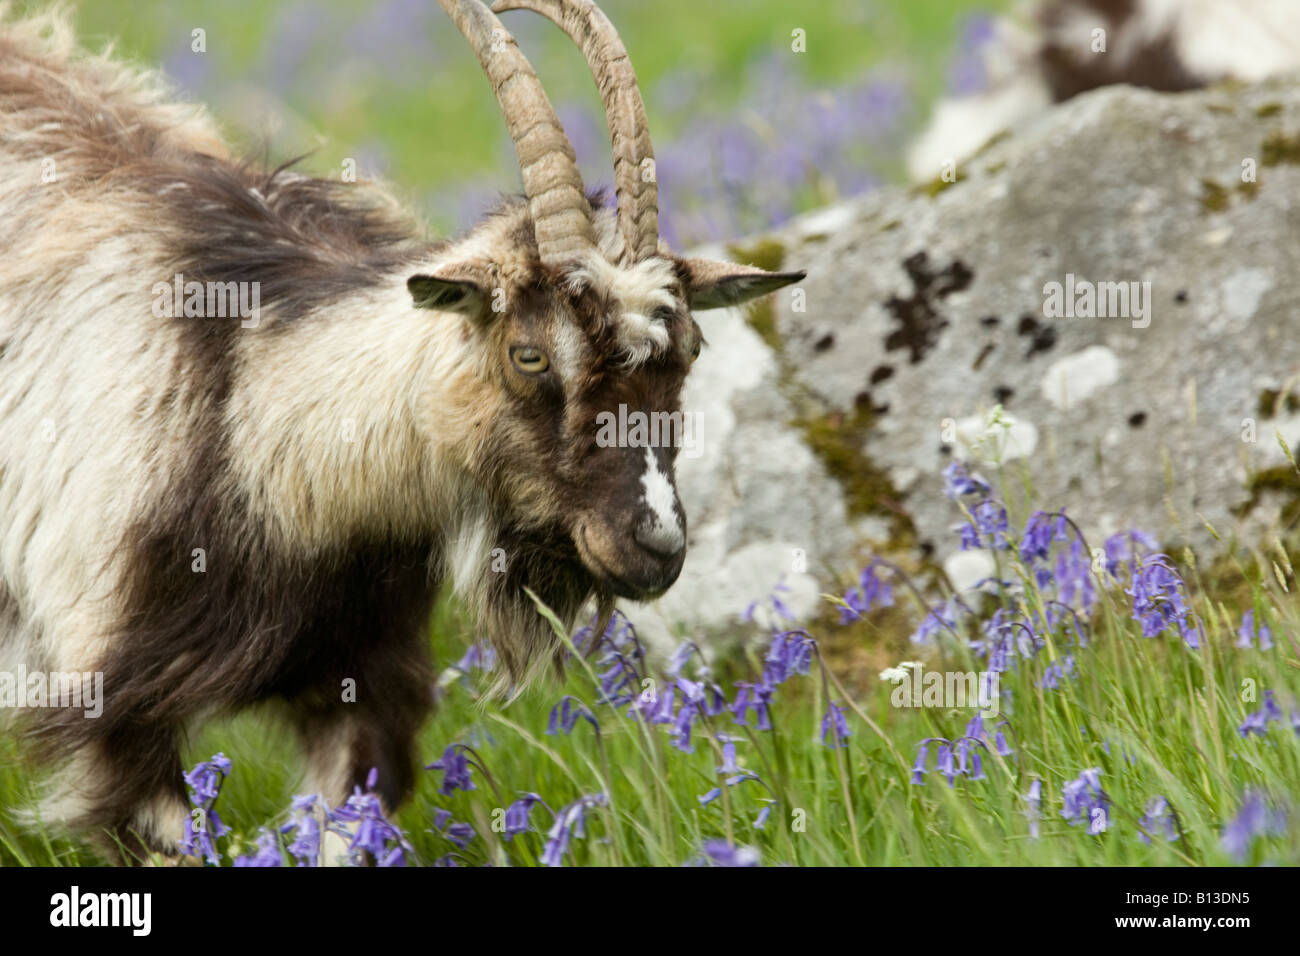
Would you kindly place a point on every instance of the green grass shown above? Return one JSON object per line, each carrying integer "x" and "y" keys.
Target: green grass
{"x": 1157, "y": 718}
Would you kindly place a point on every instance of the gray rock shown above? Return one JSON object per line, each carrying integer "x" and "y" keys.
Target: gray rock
{"x": 923, "y": 312}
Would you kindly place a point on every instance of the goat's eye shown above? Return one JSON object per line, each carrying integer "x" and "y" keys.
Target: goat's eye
{"x": 695, "y": 351}
{"x": 529, "y": 360}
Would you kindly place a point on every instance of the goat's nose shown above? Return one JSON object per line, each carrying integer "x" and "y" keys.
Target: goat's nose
{"x": 662, "y": 539}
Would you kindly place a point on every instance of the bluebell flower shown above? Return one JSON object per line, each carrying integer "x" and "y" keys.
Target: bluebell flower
{"x": 1124, "y": 548}
{"x": 680, "y": 657}
{"x": 304, "y": 825}
{"x": 722, "y": 853}
{"x": 1036, "y": 541}
{"x": 944, "y": 762}
{"x": 481, "y": 656}
{"x": 206, "y": 778}
{"x": 1084, "y": 799}
{"x": 1158, "y": 602}
{"x": 1034, "y": 807}
{"x": 834, "y": 718}
{"x": 987, "y": 527}
{"x": 266, "y": 854}
{"x": 1057, "y": 671}
{"x": 922, "y": 755}
{"x": 460, "y": 834}
{"x": 372, "y": 833}
{"x": 203, "y": 825}
{"x": 1074, "y": 576}
{"x": 1000, "y": 742}
{"x": 958, "y": 480}
{"x": 789, "y": 653}
{"x": 942, "y": 617}
{"x": 1256, "y": 818}
{"x": 1248, "y": 632}
{"x": 517, "y": 814}
{"x": 873, "y": 591}
{"x": 570, "y": 822}
{"x": 564, "y": 716}
{"x": 1257, "y": 721}
{"x": 729, "y": 764}
{"x": 454, "y": 765}
{"x": 1159, "y": 818}
{"x": 755, "y": 697}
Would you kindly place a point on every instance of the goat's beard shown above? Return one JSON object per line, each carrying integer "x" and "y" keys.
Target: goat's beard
{"x": 545, "y": 562}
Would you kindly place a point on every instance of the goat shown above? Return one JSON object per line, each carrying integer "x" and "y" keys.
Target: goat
{"x": 213, "y": 513}
{"x": 1054, "y": 50}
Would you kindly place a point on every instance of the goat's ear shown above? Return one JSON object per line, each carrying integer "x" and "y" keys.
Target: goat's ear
{"x": 453, "y": 289}
{"x": 714, "y": 284}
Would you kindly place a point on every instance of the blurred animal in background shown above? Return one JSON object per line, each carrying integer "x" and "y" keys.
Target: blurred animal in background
{"x": 1050, "y": 50}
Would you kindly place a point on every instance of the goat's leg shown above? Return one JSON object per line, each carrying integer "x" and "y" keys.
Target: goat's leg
{"x": 345, "y": 741}
{"x": 127, "y": 790}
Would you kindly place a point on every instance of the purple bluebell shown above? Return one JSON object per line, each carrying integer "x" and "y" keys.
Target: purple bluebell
{"x": 680, "y": 657}
{"x": 789, "y": 653}
{"x": 922, "y": 756}
{"x": 1257, "y": 721}
{"x": 755, "y": 697}
{"x": 454, "y": 764}
{"x": 1126, "y": 547}
{"x": 304, "y": 825}
{"x": 203, "y": 824}
{"x": 564, "y": 716}
{"x": 729, "y": 764}
{"x": 570, "y": 822}
{"x": 958, "y": 480}
{"x": 1034, "y": 807}
{"x": 266, "y": 852}
{"x": 1058, "y": 670}
{"x": 835, "y": 720}
{"x": 1256, "y": 818}
{"x": 481, "y": 656}
{"x": 517, "y": 814}
{"x": 722, "y": 853}
{"x": 987, "y": 527}
{"x": 1000, "y": 742}
{"x": 362, "y": 822}
{"x": 1158, "y": 602}
{"x": 873, "y": 591}
{"x": 1158, "y": 818}
{"x": 1084, "y": 800}
{"x": 942, "y": 617}
{"x": 1249, "y": 631}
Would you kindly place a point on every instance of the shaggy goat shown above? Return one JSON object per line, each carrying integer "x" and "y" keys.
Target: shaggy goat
{"x": 214, "y": 513}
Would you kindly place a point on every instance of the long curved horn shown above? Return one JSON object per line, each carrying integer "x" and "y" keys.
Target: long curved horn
{"x": 629, "y": 131}
{"x": 556, "y": 199}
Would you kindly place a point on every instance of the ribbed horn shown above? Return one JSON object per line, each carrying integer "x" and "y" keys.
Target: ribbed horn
{"x": 629, "y": 131}
{"x": 556, "y": 198}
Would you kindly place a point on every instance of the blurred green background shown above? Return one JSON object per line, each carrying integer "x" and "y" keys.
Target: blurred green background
{"x": 748, "y": 132}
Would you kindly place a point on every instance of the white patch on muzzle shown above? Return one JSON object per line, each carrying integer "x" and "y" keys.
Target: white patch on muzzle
{"x": 660, "y": 497}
